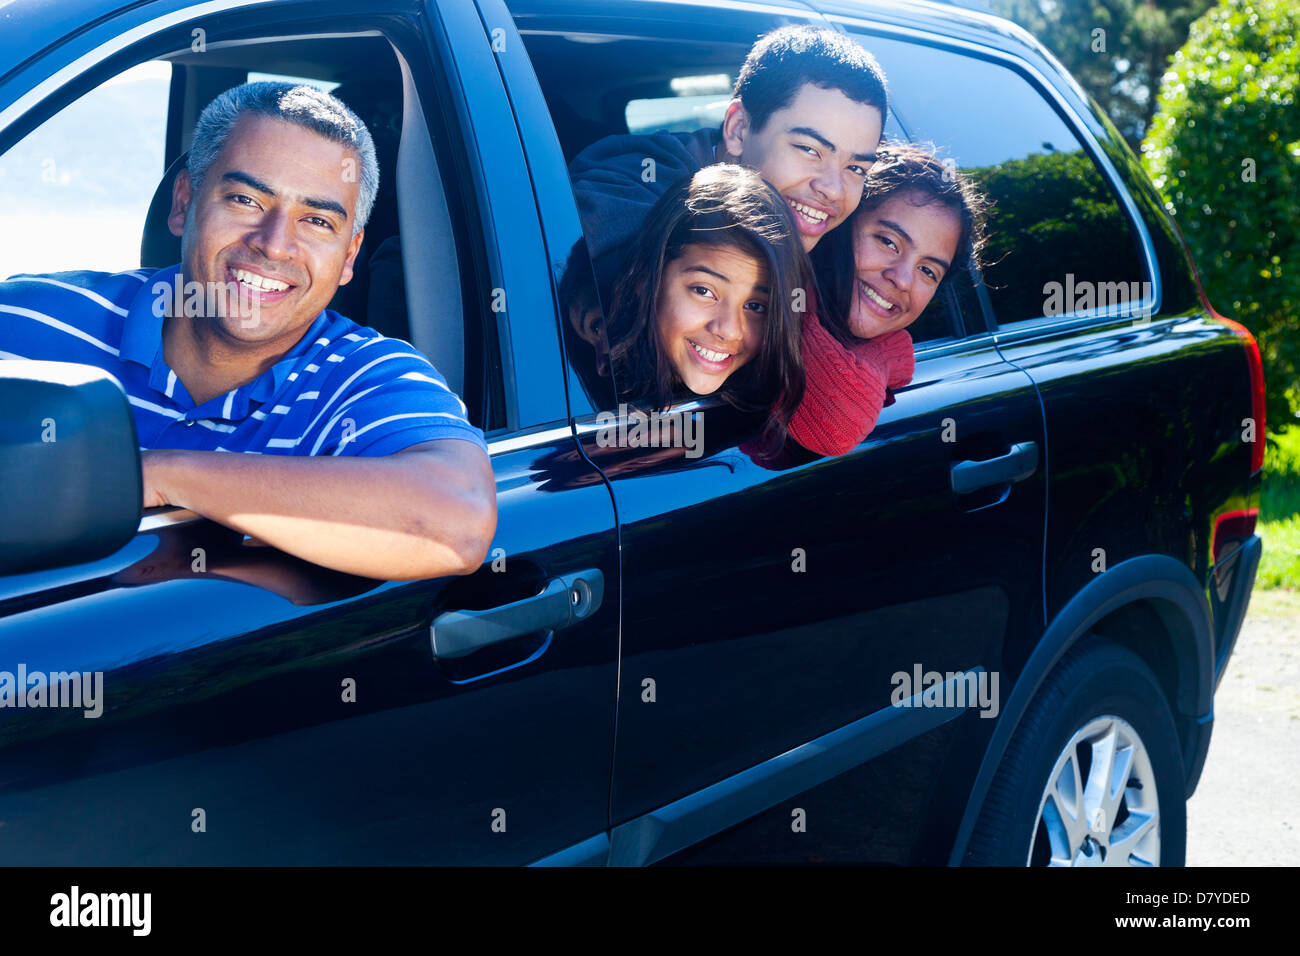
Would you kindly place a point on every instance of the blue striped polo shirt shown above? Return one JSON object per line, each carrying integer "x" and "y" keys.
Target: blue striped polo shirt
{"x": 344, "y": 389}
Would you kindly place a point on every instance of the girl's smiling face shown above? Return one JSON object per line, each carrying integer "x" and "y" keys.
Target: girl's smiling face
{"x": 901, "y": 252}
{"x": 711, "y": 313}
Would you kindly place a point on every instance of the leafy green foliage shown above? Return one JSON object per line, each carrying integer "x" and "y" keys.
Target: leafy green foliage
{"x": 1279, "y": 514}
{"x": 1121, "y": 67}
{"x": 1224, "y": 150}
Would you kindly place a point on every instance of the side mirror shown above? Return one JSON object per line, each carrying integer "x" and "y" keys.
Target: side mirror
{"x": 69, "y": 465}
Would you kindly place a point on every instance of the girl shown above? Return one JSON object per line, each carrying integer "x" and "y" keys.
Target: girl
{"x": 704, "y": 305}
{"x": 919, "y": 223}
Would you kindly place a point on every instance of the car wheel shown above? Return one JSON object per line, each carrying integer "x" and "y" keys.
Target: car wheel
{"x": 1093, "y": 775}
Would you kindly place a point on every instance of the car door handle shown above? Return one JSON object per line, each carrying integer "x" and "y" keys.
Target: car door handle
{"x": 564, "y": 601}
{"x": 1016, "y": 465}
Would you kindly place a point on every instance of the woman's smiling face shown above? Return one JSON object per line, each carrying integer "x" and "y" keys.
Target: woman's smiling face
{"x": 901, "y": 252}
{"x": 711, "y": 312}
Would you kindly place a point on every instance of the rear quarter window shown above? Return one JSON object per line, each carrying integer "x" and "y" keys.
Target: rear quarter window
{"x": 1060, "y": 239}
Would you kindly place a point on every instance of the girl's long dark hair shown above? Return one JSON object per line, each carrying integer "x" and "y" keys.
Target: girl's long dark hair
{"x": 721, "y": 205}
{"x": 900, "y": 168}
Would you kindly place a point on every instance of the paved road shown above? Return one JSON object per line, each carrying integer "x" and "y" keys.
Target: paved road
{"x": 1246, "y": 809}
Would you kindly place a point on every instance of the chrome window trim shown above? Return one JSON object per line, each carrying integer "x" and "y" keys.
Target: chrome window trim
{"x": 1028, "y": 330}
{"x": 540, "y": 435}
{"x": 1085, "y": 136}
{"x": 1032, "y": 328}
{"x": 942, "y": 348}
{"x": 157, "y": 520}
{"x": 589, "y": 424}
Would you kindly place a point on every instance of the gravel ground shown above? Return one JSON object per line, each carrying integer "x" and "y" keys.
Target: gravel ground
{"x": 1246, "y": 809}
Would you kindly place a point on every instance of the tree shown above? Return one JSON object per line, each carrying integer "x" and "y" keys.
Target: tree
{"x": 1116, "y": 49}
{"x": 1224, "y": 150}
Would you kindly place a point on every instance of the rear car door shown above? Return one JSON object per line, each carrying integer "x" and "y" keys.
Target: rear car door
{"x": 768, "y": 614}
{"x": 1093, "y": 299}
{"x": 257, "y": 709}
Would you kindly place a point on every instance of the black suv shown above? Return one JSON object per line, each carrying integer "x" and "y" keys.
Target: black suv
{"x": 989, "y": 634}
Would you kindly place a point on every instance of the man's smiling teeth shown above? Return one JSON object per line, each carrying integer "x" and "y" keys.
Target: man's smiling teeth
{"x": 875, "y": 297}
{"x": 710, "y": 355}
{"x": 808, "y": 212}
{"x": 259, "y": 282}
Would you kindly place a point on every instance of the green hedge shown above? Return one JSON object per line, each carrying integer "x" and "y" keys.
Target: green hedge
{"x": 1224, "y": 150}
{"x": 1279, "y": 514}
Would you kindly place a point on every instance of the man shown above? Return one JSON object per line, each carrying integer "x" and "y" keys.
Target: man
{"x": 358, "y": 456}
{"x": 806, "y": 112}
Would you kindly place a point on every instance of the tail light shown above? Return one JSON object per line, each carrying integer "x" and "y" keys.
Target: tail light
{"x": 1256, "y": 388}
{"x": 1256, "y": 375}
{"x": 1232, "y": 528}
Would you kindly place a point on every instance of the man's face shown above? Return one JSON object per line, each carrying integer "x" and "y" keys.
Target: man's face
{"x": 816, "y": 152}
{"x": 274, "y": 215}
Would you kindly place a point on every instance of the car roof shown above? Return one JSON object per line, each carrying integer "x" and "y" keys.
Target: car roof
{"x": 954, "y": 20}
{"x": 28, "y": 27}
{"x": 945, "y": 19}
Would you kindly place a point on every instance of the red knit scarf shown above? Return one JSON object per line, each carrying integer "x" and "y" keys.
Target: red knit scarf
{"x": 846, "y": 386}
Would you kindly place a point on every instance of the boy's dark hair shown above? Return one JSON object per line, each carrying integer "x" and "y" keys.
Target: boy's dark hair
{"x": 912, "y": 169}
{"x": 721, "y": 205}
{"x": 785, "y": 59}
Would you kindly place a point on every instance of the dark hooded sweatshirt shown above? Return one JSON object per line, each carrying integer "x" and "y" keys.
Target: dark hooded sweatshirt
{"x": 617, "y": 179}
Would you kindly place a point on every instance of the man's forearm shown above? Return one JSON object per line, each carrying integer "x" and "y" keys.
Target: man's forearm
{"x": 411, "y": 515}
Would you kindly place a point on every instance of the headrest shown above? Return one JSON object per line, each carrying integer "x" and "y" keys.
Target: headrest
{"x": 158, "y": 247}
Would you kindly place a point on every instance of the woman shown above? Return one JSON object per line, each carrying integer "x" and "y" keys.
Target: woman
{"x": 704, "y": 303}
{"x": 919, "y": 223}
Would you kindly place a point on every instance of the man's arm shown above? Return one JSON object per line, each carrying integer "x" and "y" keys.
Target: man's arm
{"x": 426, "y": 511}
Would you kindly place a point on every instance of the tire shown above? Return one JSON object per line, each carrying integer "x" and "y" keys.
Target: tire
{"x": 1100, "y": 708}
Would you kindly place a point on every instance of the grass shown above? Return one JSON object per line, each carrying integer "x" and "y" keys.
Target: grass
{"x": 1279, "y": 514}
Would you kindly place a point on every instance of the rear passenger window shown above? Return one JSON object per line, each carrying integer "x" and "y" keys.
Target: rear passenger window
{"x": 1060, "y": 242}
{"x": 697, "y": 102}
{"x": 599, "y": 79}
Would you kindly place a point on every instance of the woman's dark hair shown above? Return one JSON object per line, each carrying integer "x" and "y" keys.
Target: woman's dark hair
{"x": 721, "y": 205}
{"x": 910, "y": 169}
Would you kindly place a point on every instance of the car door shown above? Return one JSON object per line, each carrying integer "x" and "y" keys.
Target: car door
{"x": 768, "y": 614}
{"x": 257, "y": 709}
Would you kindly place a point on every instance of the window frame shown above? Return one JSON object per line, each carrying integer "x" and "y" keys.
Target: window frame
{"x": 978, "y": 332}
{"x": 56, "y": 77}
{"x": 971, "y": 330}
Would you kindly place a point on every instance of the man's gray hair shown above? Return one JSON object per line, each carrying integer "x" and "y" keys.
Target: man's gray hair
{"x": 302, "y": 105}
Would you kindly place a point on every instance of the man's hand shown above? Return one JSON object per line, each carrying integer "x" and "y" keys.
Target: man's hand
{"x": 426, "y": 511}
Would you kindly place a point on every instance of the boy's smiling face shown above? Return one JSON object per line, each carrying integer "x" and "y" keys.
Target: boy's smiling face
{"x": 816, "y": 151}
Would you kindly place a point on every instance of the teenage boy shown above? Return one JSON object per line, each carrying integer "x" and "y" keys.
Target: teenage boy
{"x": 806, "y": 112}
